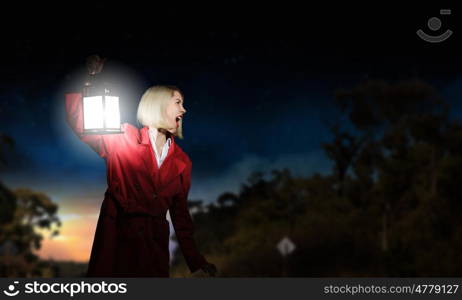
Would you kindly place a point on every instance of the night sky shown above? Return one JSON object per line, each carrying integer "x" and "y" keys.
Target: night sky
{"x": 258, "y": 87}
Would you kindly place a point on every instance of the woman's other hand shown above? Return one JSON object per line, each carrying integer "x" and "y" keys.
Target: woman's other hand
{"x": 209, "y": 269}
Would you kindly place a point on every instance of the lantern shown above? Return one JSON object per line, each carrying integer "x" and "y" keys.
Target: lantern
{"x": 101, "y": 113}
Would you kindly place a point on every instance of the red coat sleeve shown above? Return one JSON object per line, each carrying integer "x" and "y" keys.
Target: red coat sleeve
{"x": 183, "y": 225}
{"x": 102, "y": 144}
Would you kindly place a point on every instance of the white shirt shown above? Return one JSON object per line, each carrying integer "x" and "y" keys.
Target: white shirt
{"x": 153, "y": 136}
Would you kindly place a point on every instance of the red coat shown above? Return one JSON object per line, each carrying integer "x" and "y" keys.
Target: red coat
{"x": 132, "y": 234}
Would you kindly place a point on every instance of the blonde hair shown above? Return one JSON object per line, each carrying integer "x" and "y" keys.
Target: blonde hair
{"x": 153, "y": 105}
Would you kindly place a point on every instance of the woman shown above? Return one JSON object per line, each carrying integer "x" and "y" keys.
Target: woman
{"x": 147, "y": 175}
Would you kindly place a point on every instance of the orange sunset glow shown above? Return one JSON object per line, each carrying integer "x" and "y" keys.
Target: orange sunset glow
{"x": 73, "y": 243}
{"x": 79, "y": 217}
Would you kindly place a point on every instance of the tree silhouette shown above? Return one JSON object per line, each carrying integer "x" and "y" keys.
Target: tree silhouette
{"x": 395, "y": 174}
{"x": 389, "y": 208}
{"x": 22, "y": 213}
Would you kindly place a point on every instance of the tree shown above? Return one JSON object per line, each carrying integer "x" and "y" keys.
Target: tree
{"x": 389, "y": 208}
{"x": 406, "y": 148}
{"x": 20, "y": 238}
{"x": 22, "y": 213}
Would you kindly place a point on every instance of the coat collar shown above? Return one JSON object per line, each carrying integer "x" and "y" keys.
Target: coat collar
{"x": 145, "y": 136}
{"x": 173, "y": 165}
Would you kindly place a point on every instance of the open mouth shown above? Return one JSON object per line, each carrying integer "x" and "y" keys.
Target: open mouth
{"x": 179, "y": 118}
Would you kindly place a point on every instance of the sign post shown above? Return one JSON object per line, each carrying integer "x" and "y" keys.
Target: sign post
{"x": 285, "y": 247}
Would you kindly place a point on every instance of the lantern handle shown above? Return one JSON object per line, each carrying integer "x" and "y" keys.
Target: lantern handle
{"x": 95, "y": 64}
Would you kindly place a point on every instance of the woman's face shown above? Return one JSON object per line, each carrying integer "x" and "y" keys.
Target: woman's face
{"x": 174, "y": 112}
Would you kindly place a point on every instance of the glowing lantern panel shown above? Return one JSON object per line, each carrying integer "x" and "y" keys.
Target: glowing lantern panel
{"x": 101, "y": 114}
{"x": 112, "y": 112}
{"x": 93, "y": 112}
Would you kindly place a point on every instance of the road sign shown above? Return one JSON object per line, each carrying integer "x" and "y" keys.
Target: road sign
{"x": 286, "y": 246}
